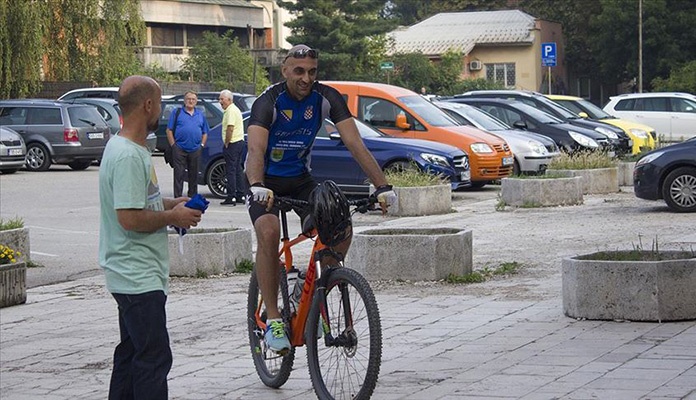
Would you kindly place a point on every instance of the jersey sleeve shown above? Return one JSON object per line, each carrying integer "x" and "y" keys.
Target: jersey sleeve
{"x": 262, "y": 111}
{"x": 338, "y": 110}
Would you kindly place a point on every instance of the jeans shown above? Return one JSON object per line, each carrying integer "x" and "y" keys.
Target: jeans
{"x": 183, "y": 162}
{"x": 143, "y": 358}
{"x": 233, "y": 168}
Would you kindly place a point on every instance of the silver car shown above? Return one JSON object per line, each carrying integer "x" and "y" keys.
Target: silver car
{"x": 13, "y": 152}
{"x": 56, "y": 132}
{"x": 532, "y": 151}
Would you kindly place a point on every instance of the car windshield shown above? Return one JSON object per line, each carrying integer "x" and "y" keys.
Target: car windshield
{"x": 482, "y": 119}
{"x": 365, "y": 130}
{"x": 249, "y": 100}
{"x": 428, "y": 111}
{"x": 559, "y": 110}
{"x": 535, "y": 113}
{"x": 593, "y": 111}
{"x": 85, "y": 116}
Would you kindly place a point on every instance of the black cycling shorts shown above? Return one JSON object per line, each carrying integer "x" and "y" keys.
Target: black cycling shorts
{"x": 297, "y": 187}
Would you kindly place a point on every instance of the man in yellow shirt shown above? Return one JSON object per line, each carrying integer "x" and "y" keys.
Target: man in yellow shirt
{"x": 234, "y": 146}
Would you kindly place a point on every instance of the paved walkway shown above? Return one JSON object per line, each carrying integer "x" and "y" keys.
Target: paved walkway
{"x": 503, "y": 339}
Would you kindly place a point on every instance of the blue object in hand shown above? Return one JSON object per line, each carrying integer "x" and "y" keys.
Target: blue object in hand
{"x": 196, "y": 202}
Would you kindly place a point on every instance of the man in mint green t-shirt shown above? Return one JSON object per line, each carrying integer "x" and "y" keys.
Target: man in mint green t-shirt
{"x": 133, "y": 245}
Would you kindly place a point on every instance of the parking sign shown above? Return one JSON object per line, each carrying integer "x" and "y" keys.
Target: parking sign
{"x": 548, "y": 54}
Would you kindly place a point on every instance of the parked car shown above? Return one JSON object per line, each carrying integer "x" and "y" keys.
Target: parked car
{"x": 13, "y": 152}
{"x": 617, "y": 137}
{"x": 643, "y": 136}
{"x": 532, "y": 151}
{"x": 332, "y": 160}
{"x": 243, "y": 101}
{"x": 111, "y": 112}
{"x": 568, "y": 137}
{"x": 668, "y": 173}
{"x": 56, "y": 132}
{"x": 672, "y": 114}
{"x": 400, "y": 112}
{"x": 211, "y": 110}
{"x": 95, "y": 92}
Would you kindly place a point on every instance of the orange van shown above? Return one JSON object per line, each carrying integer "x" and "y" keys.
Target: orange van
{"x": 400, "y": 112}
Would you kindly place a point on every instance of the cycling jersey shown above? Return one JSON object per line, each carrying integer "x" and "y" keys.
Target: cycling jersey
{"x": 292, "y": 125}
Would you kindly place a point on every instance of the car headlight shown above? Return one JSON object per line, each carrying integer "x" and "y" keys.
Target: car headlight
{"x": 481, "y": 148}
{"x": 607, "y": 132}
{"x": 649, "y": 158}
{"x": 639, "y": 133}
{"x": 583, "y": 140}
{"x": 537, "y": 147}
{"x": 435, "y": 159}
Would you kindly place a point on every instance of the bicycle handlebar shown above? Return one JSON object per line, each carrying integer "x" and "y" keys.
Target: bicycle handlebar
{"x": 287, "y": 203}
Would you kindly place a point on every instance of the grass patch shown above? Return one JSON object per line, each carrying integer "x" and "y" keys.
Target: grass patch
{"x": 32, "y": 264}
{"x": 640, "y": 253}
{"x": 582, "y": 160}
{"x": 482, "y": 275}
{"x": 412, "y": 177}
{"x": 244, "y": 267}
{"x": 200, "y": 274}
{"x": 14, "y": 223}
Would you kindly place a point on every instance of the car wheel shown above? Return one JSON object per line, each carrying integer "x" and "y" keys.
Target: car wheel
{"x": 516, "y": 169}
{"x": 38, "y": 157}
{"x": 679, "y": 189}
{"x": 79, "y": 165}
{"x": 217, "y": 179}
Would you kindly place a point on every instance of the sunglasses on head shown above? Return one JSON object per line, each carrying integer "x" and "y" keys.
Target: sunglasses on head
{"x": 303, "y": 53}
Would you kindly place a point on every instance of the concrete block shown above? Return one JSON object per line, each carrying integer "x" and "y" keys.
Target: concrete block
{"x": 421, "y": 200}
{"x": 625, "y": 172}
{"x": 537, "y": 192}
{"x": 211, "y": 251}
{"x": 630, "y": 290}
{"x": 17, "y": 240}
{"x": 595, "y": 181}
{"x": 411, "y": 253}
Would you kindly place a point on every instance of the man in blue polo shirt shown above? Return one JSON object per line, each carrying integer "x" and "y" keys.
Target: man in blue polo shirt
{"x": 187, "y": 132}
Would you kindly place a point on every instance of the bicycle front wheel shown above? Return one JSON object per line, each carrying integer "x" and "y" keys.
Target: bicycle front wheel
{"x": 344, "y": 363}
{"x": 272, "y": 368}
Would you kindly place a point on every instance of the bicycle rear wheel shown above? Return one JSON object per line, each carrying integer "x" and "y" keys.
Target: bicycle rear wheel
{"x": 348, "y": 367}
{"x": 272, "y": 368}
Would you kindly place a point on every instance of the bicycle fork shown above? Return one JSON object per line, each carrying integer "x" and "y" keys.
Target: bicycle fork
{"x": 347, "y": 338}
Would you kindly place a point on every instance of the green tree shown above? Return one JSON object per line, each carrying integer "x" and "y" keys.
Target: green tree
{"x": 681, "y": 79}
{"x": 223, "y": 62}
{"x": 20, "y": 48}
{"x": 350, "y": 35}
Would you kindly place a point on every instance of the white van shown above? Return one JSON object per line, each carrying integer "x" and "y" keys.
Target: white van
{"x": 672, "y": 114}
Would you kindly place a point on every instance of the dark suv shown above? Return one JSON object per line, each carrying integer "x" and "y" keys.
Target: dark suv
{"x": 56, "y": 132}
{"x": 617, "y": 137}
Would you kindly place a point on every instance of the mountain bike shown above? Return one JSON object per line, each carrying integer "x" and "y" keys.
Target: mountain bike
{"x": 336, "y": 317}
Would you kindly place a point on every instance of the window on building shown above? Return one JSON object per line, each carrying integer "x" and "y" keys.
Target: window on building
{"x": 167, "y": 39}
{"x": 503, "y": 73}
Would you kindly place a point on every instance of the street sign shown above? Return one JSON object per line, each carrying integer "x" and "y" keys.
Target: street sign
{"x": 386, "y": 65}
{"x": 548, "y": 54}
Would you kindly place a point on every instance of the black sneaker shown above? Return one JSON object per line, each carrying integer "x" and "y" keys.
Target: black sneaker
{"x": 229, "y": 202}
{"x": 241, "y": 199}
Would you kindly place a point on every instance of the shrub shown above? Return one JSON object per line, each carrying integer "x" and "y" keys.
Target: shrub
{"x": 412, "y": 177}
{"x": 582, "y": 160}
{"x": 15, "y": 223}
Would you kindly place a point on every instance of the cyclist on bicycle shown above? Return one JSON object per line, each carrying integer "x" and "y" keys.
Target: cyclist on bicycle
{"x": 284, "y": 121}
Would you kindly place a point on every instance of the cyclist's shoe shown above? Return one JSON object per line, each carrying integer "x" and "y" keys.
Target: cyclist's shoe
{"x": 275, "y": 336}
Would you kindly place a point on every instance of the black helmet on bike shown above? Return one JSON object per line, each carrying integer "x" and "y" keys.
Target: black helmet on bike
{"x": 331, "y": 213}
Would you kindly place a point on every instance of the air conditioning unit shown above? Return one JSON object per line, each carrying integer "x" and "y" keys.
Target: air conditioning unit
{"x": 475, "y": 65}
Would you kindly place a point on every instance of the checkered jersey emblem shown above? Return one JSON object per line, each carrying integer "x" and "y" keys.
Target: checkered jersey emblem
{"x": 309, "y": 112}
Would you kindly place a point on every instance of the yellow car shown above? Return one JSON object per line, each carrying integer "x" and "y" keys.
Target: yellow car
{"x": 644, "y": 137}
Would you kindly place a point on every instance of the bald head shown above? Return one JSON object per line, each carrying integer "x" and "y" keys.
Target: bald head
{"x": 134, "y": 91}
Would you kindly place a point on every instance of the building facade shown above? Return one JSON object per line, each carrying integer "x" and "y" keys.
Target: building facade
{"x": 500, "y": 46}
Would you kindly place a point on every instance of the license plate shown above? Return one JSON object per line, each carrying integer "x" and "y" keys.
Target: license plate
{"x": 508, "y": 160}
{"x": 96, "y": 135}
{"x": 15, "y": 152}
{"x": 465, "y": 176}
